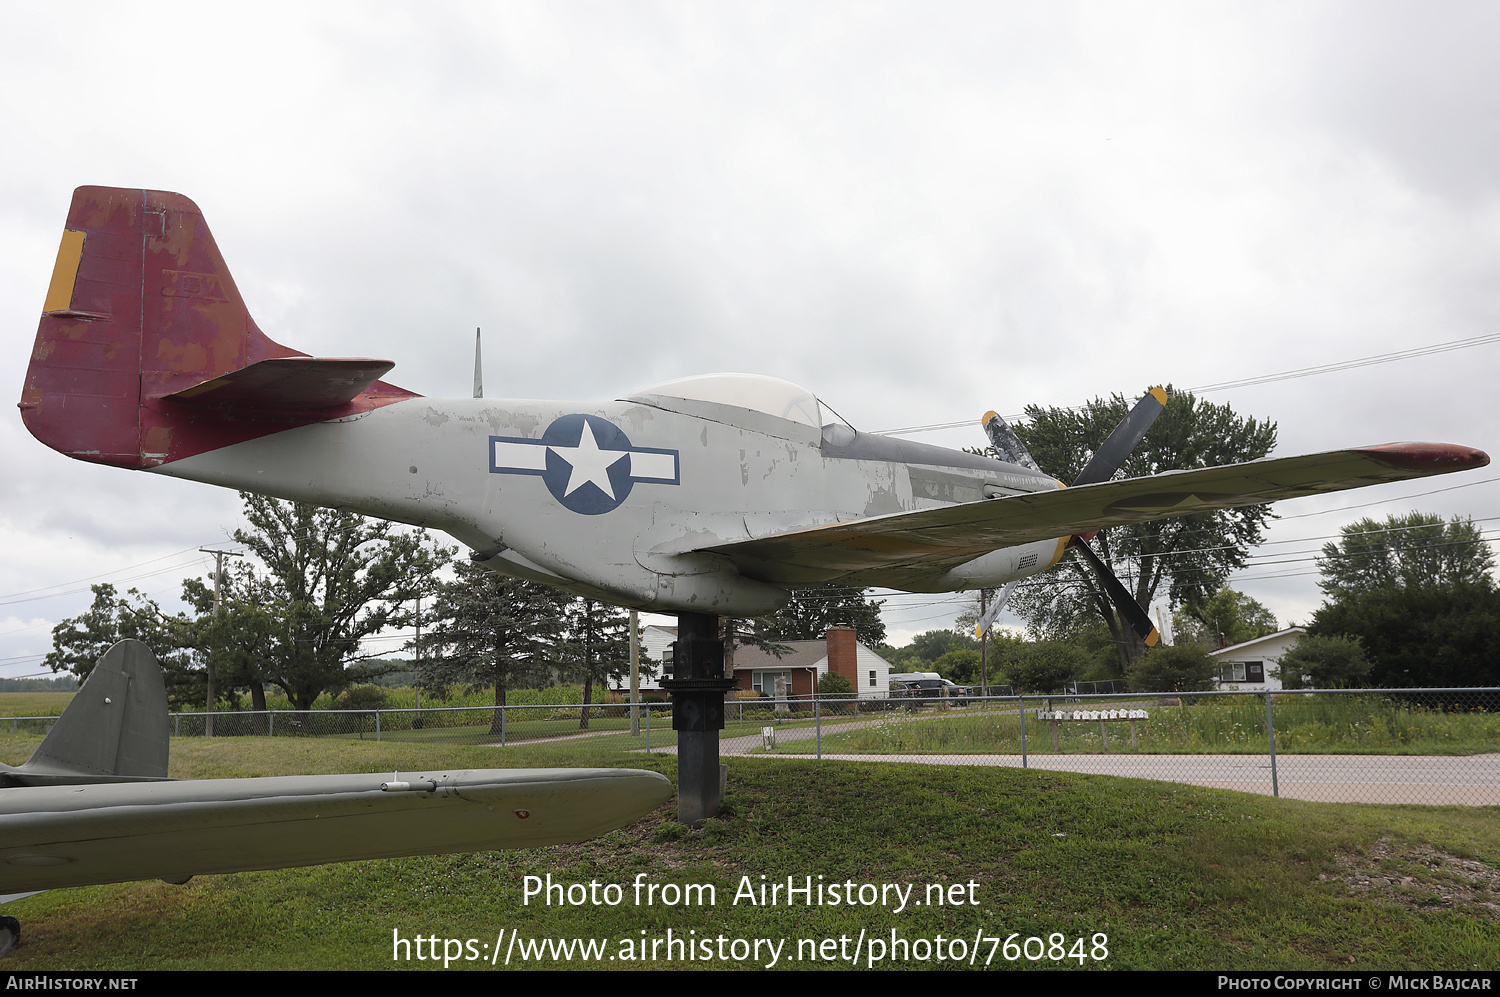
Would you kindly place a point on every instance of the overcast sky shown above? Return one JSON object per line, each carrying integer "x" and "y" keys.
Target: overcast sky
{"x": 919, "y": 211}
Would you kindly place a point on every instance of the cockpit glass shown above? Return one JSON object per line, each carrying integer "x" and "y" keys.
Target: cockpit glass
{"x": 755, "y": 392}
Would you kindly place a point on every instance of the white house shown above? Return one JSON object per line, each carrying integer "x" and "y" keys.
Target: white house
{"x": 654, "y": 643}
{"x": 808, "y": 661}
{"x": 800, "y": 669}
{"x": 1255, "y": 664}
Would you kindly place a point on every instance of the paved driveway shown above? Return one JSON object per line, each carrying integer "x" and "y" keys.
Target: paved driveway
{"x": 1463, "y": 780}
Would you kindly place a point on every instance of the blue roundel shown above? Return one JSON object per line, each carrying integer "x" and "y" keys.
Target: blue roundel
{"x": 588, "y": 464}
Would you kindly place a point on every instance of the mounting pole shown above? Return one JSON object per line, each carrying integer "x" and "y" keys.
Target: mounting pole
{"x": 697, "y": 686}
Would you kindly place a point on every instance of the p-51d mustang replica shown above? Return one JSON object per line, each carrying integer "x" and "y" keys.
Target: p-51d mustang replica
{"x": 94, "y": 804}
{"x": 707, "y": 496}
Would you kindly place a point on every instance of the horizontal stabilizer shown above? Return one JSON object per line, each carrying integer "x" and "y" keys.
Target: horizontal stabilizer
{"x": 286, "y": 384}
{"x": 114, "y": 729}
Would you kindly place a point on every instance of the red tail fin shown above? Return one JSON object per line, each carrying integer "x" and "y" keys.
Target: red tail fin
{"x": 146, "y": 352}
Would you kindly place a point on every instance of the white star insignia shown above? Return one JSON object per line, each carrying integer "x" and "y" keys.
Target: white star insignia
{"x": 589, "y": 463}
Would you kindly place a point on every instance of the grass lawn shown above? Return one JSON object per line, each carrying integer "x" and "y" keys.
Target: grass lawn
{"x": 1173, "y": 877}
{"x": 1335, "y": 724}
{"x": 33, "y": 704}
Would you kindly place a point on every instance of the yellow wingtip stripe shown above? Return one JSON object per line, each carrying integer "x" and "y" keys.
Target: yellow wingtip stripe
{"x": 1152, "y": 638}
{"x": 64, "y": 272}
{"x": 1159, "y": 395}
{"x": 984, "y": 420}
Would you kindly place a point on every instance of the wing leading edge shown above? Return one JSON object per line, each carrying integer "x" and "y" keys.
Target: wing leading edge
{"x": 912, "y": 550}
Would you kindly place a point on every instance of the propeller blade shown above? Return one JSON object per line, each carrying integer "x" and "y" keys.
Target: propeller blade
{"x": 1006, "y": 442}
{"x": 1123, "y": 441}
{"x": 983, "y": 626}
{"x": 1118, "y": 594}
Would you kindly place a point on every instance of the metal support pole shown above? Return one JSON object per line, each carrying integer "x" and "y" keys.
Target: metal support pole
{"x": 1022, "y": 701}
{"x": 698, "y": 686}
{"x": 502, "y": 726}
{"x": 377, "y": 725}
{"x": 818, "y": 725}
{"x": 1271, "y": 740}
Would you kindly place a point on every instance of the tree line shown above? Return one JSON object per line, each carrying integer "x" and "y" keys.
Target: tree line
{"x": 296, "y": 615}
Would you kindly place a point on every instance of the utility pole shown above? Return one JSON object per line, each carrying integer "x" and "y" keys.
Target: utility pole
{"x": 417, "y": 716}
{"x": 219, "y": 555}
{"x": 635, "y": 678}
{"x": 984, "y": 643}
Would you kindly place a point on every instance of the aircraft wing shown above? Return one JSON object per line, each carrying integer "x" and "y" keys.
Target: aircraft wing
{"x": 79, "y": 835}
{"x": 901, "y": 549}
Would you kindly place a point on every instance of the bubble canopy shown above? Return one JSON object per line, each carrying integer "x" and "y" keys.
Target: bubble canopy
{"x": 748, "y": 393}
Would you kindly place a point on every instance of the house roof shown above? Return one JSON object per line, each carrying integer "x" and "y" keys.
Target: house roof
{"x": 1257, "y": 642}
{"x": 804, "y": 654}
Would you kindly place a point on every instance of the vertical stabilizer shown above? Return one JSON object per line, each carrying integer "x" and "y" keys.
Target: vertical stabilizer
{"x": 115, "y": 727}
{"x": 146, "y": 353}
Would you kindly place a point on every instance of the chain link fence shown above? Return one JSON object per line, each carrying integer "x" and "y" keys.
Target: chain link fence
{"x": 1430, "y": 746}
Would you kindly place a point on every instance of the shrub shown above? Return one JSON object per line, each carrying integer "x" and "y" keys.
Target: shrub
{"x": 833, "y": 686}
{"x": 1045, "y": 666}
{"x": 1178, "y": 668}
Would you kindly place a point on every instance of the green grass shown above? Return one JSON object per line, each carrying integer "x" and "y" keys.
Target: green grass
{"x": 33, "y": 704}
{"x": 1337, "y": 724}
{"x": 1177, "y": 877}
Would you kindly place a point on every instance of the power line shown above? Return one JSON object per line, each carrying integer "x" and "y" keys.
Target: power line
{"x": 1286, "y": 375}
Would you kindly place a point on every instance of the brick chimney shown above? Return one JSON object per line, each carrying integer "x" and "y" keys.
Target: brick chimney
{"x": 843, "y": 654}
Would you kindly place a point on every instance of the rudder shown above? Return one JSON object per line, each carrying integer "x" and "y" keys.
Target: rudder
{"x": 142, "y": 321}
{"x": 115, "y": 727}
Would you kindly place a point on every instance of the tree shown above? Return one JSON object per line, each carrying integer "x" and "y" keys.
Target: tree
{"x": 1184, "y": 559}
{"x": 811, "y": 611}
{"x": 960, "y": 665}
{"x": 1224, "y": 618}
{"x": 1175, "y": 668}
{"x": 598, "y": 645}
{"x": 1319, "y": 662}
{"x": 79, "y": 642}
{"x": 493, "y": 630}
{"x": 1414, "y": 550}
{"x": 1421, "y": 636}
{"x": 329, "y": 579}
{"x": 1044, "y": 666}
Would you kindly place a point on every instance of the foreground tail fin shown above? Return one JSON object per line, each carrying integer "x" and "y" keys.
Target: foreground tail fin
{"x": 146, "y": 352}
{"x": 115, "y": 728}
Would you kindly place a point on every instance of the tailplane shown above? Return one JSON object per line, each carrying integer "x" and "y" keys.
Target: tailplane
{"x": 147, "y": 354}
{"x": 114, "y": 729}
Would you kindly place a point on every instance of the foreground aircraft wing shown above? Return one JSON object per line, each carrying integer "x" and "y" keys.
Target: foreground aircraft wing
{"x": 77, "y": 835}
{"x": 900, "y": 549}
{"x": 94, "y": 805}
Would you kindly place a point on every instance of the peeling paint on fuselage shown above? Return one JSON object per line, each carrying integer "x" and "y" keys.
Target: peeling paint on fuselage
{"x": 734, "y": 484}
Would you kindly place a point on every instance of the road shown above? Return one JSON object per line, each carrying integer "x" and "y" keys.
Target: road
{"x": 1462, "y": 780}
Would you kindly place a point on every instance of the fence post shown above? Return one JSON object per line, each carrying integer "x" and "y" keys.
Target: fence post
{"x": 1021, "y": 700}
{"x": 818, "y": 725}
{"x": 377, "y": 725}
{"x": 270, "y": 723}
{"x": 502, "y": 726}
{"x": 648, "y": 728}
{"x": 1271, "y": 740}
{"x": 177, "y": 725}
